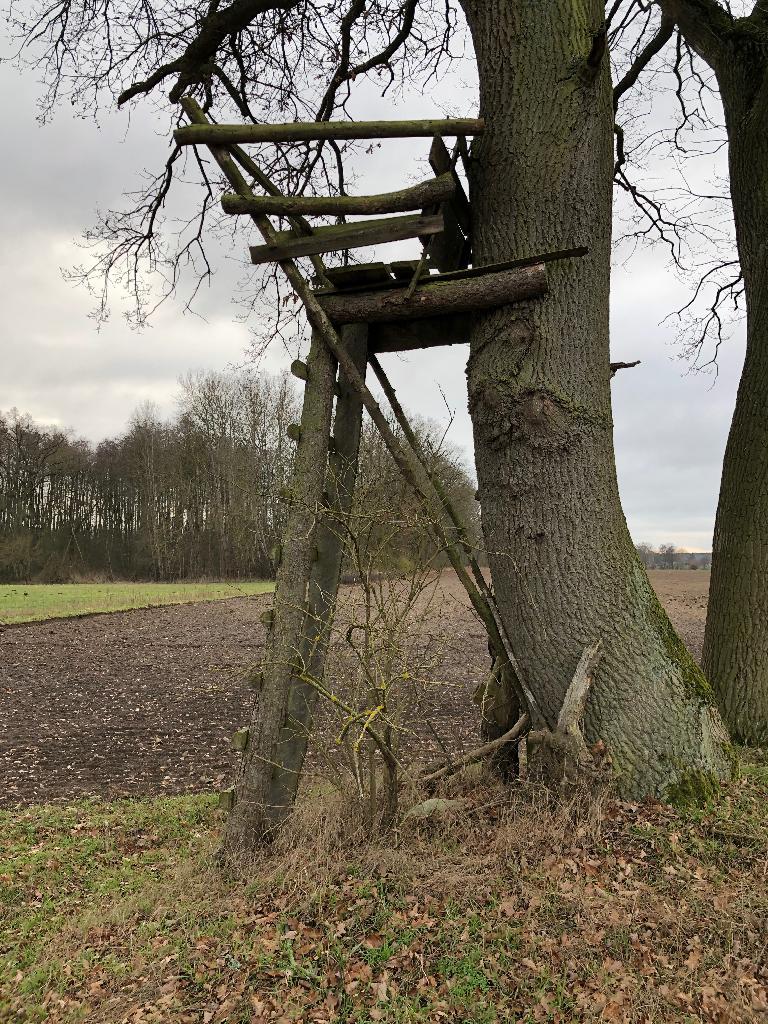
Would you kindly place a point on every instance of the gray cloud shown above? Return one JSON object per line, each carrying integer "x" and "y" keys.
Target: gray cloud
{"x": 670, "y": 428}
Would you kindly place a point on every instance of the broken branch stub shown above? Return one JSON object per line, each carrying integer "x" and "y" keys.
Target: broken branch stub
{"x": 565, "y": 756}
{"x": 615, "y": 367}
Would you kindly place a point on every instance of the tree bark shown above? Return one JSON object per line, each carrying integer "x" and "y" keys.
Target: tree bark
{"x": 736, "y": 637}
{"x": 564, "y": 567}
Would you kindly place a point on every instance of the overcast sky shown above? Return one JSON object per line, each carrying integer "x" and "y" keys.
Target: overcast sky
{"x": 671, "y": 426}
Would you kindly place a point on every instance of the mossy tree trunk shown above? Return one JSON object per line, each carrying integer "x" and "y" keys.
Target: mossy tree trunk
{"x": 332, "y": 543}
{"x": 564, "y": 567}
{"x": 255, "y": 814}
{"x": 736, "y": 637}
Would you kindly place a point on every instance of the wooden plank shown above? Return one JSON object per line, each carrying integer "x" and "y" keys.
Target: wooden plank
{"x": 370, "y": 274}
{"x": 431, "y": 332}
{"x": 312, "y": 131}
{"x": 441, "y": 163}
{"x": 403, "y": 270}
{"x": 336, "y": 237}
{"x": 448, "y": 249}
{"x": 436, "y": 297}
{"x": 489, "y": 268}
{"x": 426, "y": 193}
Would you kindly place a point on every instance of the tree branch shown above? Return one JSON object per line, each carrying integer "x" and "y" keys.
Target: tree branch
{"x": 216, "y": 27}
{"x": 515, "y": 734}
{"x": 705, "y": 25}
{"x": 643, "y": 59}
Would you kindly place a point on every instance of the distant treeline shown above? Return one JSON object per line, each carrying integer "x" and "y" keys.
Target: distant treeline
{"x": 667, "y": 556}
{"x": 196, "y": 497}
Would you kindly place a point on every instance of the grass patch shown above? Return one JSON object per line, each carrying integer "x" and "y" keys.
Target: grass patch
{"x": 513, "y": 910}
{"x": 35, "y": 601}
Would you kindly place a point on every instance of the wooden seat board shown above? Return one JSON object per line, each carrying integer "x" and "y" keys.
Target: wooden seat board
{"x": 338, "y": 237}
{"x": 358, "y": 274}
{"x": 403, "y": 270}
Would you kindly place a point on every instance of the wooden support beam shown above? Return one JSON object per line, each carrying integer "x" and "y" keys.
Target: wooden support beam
{"x": 432, "y": 332}
{"x": 369, "y": 275}
{"x": 441, "y": 163}
{"x": 435, "y": 298}
{"x": 335, "y": 237}
{"x": 332, "y": 530}
{"x": 426, "y": 193}
{"x": 313, "y": 131}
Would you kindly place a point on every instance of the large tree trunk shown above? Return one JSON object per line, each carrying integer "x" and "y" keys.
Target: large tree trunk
{"x": 736, "y": 638}
{"x": 563, "y": 565}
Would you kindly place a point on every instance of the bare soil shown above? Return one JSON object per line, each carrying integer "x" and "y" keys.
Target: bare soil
{"x": 144, "y": 702}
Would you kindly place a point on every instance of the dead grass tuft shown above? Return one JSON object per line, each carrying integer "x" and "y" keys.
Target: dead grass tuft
{"x": 506, "y": 906}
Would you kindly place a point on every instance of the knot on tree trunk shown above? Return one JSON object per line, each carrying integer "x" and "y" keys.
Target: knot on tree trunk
{"x": 506, "y": 415}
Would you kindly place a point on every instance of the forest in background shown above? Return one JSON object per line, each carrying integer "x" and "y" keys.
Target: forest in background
{"x": 198, "y": 496}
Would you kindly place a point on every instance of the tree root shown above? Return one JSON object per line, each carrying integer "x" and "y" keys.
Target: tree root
{"x": 562, "y": 751}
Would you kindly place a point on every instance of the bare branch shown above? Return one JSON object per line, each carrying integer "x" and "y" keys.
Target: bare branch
{"x": 656, "y": 45}
{"x": 704, "y": 23}
{"x": 515, "y": 734}
{"x": 216, "y": 27}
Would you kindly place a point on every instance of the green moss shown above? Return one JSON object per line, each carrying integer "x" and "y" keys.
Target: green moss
{"x": 733, "y": 757}
{"x": 694, "y": 788}
{"x": 693, "y": 679}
